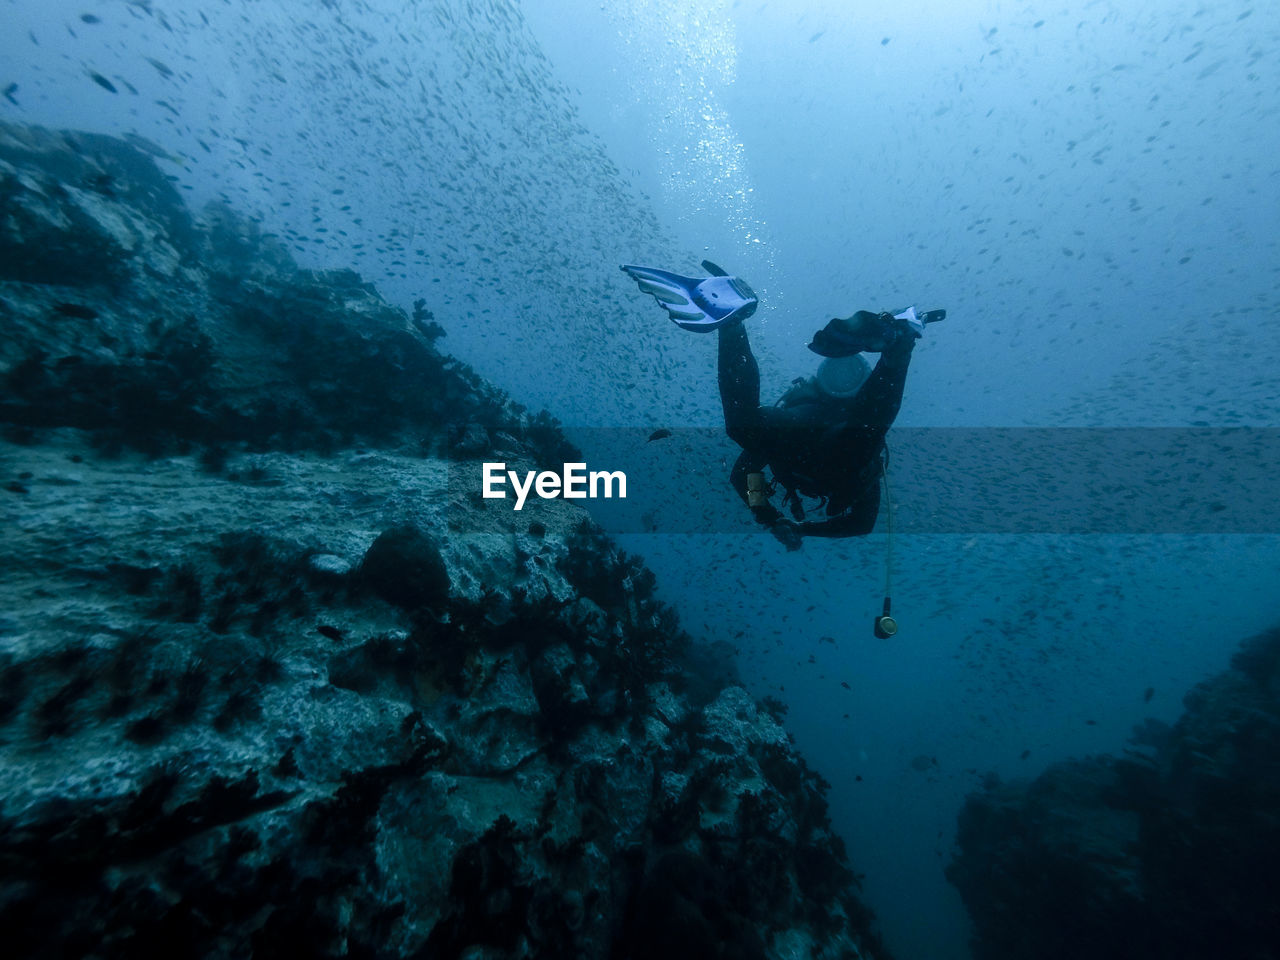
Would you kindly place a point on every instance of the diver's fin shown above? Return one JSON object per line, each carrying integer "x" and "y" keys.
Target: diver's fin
{"x": 913, "y": 321}
{"x": 928, "y": 316}
{"x": 712, "y": 269}
{"x": 694, "y": 303}
{"x": 661, "y": 293}
{"x": 917, "y": 320}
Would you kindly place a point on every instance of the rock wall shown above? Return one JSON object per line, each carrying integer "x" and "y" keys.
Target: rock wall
{"x": 1170, "y": 850}
{"x": 261, "y": 691}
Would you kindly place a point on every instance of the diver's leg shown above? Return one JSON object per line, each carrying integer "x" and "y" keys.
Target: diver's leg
{"x": 739, "y": 376}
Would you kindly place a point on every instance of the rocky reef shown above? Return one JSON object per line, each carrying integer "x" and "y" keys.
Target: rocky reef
{"x": 1170, "y": 850}
{"x": 265, "y": 691}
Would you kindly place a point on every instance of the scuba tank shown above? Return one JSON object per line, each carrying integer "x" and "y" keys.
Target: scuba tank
{"x": 802, "y": 390}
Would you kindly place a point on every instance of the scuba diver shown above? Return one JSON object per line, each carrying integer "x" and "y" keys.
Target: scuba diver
{"x": 825, "y": 437}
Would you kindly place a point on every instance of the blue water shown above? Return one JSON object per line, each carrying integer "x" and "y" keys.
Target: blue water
{"x": 1090, "y": 189}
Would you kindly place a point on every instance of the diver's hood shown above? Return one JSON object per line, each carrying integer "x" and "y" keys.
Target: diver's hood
{"x": 842, "y": 377}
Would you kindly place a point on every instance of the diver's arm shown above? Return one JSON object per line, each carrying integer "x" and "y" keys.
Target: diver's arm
{"x": 878, "y": 401}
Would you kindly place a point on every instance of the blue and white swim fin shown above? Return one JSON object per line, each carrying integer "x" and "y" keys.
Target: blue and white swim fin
{"x": 700, "y": 304}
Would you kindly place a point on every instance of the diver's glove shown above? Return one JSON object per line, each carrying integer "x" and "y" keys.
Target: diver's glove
{"x": 784, "y": 531}
{"x": 787, "y": 533}
{"x": 898, "y": 330}
{"x": 867, "y": 331}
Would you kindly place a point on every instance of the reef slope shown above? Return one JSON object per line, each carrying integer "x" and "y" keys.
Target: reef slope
{"x": 1170, "y": 850}
{"x": 267, "y": 689}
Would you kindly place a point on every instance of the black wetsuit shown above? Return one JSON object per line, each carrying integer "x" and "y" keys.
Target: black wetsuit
{"x": 816, "y": 445}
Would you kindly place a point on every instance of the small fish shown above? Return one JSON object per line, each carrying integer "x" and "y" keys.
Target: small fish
{"x": 817, "y": 36}
{"x": 1148, "y": 694}
{"x": 333, "y": 633}
{"x": 9, "y": 91}
{"x": 1025, "y": 754}
{"x": 103, "y": 82}
{"x": 89, "y": 18}
{"x": 76, "y": 310}
{"x": 163, "y": 68}
{"x": 659, "y": 435}
{"x": 845, "y": 684}
{"x": 830, "y": 640}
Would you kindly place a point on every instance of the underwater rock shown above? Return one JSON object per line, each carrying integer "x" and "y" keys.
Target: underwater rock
{"x": 735, "y": 720}
{"x": 473, "y": 442}
{"x": 326, "y": 564}
{"x": 220, "y": 737}
{"x": 684, "y": 910}
{"x": 80, "y": 207}
{"x": 404, "y": 566}
{"x": 561, "y": 695}
{"x": 1171, "y": 851}
{"x": 183, "y": 332}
